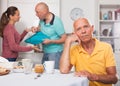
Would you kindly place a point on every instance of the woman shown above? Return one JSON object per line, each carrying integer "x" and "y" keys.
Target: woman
{"x": 11, "y": 38}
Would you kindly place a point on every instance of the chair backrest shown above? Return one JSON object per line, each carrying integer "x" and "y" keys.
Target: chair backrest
{"x": 2, "y": 59}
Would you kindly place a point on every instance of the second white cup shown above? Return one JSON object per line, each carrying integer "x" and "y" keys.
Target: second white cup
{"x": 49, "y": 66}
{"x": 27, "y": 63}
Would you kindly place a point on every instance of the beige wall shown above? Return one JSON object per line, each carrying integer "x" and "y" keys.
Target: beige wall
{"x": 90, "y": 11}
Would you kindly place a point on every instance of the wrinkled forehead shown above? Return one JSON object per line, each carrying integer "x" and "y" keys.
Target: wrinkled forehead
{"x": 80, "y": 23}
{"x": 38, "y": 8}
{"x": 41, "y": 7}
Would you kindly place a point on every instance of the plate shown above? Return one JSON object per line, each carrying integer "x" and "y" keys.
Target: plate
{"x": 18, "y": 67}
{"x": 4, "y": 73}
{"x": 18, "y": 70}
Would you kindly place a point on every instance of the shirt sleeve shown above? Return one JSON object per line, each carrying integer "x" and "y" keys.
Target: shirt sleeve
{"x": 59, "y": 26}
{"x": 23, "y": 35}
{"x": 14, "y": 46}
{"x": 109, "y": 56}
{"x": 72, "y": 55}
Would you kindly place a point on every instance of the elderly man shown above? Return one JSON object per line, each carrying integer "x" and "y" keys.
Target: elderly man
{"x": 90, "y": 57}
{"x": 52, "y": 26}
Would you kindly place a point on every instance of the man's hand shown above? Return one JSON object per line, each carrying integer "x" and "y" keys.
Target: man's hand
{"x": 36, "y": 48}
{"x": 47, "y": 41}
{"x": 91, "y": 77}
{"x": 73, "y": 38}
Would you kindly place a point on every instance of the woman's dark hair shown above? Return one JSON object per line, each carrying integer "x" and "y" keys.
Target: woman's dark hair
{"x": 5, "y": 18}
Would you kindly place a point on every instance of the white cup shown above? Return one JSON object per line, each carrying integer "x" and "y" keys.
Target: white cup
{"x": 49, "y": 66}
{"x": 27, "y": 63}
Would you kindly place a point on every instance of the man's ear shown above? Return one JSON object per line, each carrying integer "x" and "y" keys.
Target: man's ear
{"x": 92, "y": 28}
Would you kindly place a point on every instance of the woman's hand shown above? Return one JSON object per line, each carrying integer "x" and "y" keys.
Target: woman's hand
{"x": 33, "y": 29}
{"x": 36, "y": 48}
{"x": 27, "y": 30}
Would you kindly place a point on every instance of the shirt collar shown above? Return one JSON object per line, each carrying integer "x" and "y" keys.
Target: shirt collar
{"x": 52, "y": 21}
{"x": 96, "y": 49}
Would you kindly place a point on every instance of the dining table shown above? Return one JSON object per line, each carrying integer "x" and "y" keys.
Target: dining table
{"x": 45, "y": 79}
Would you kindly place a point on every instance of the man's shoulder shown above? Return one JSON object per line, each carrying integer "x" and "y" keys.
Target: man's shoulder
{"x": 104, "y": 44}
{"x": 74, "y": 47}
{"x": 57, "y": 19}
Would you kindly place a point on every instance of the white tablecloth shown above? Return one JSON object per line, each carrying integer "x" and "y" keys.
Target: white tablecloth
{"x": 56, "y": 79}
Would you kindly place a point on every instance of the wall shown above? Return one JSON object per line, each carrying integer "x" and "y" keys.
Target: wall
{"x": 27, "y": 11}
{"x": 0, "y": 7}
{"x": 0, "y": 37}
{"x": 90, "y": 11}
{"x": 110, "y": 2}
{"x": 3, "y": 5}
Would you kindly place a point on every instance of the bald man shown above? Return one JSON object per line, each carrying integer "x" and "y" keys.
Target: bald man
{"x": 52, "y": 26}
{"x": 90, "y": 57}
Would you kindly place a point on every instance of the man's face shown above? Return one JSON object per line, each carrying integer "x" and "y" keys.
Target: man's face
{"x": 83, "y": 30}
{"x": 41, "y": 14}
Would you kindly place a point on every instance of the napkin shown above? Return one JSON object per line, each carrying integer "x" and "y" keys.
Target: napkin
{"x": 2, "y": 59}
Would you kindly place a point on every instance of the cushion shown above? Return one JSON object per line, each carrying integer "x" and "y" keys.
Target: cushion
{"x": 37, "y": 38}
